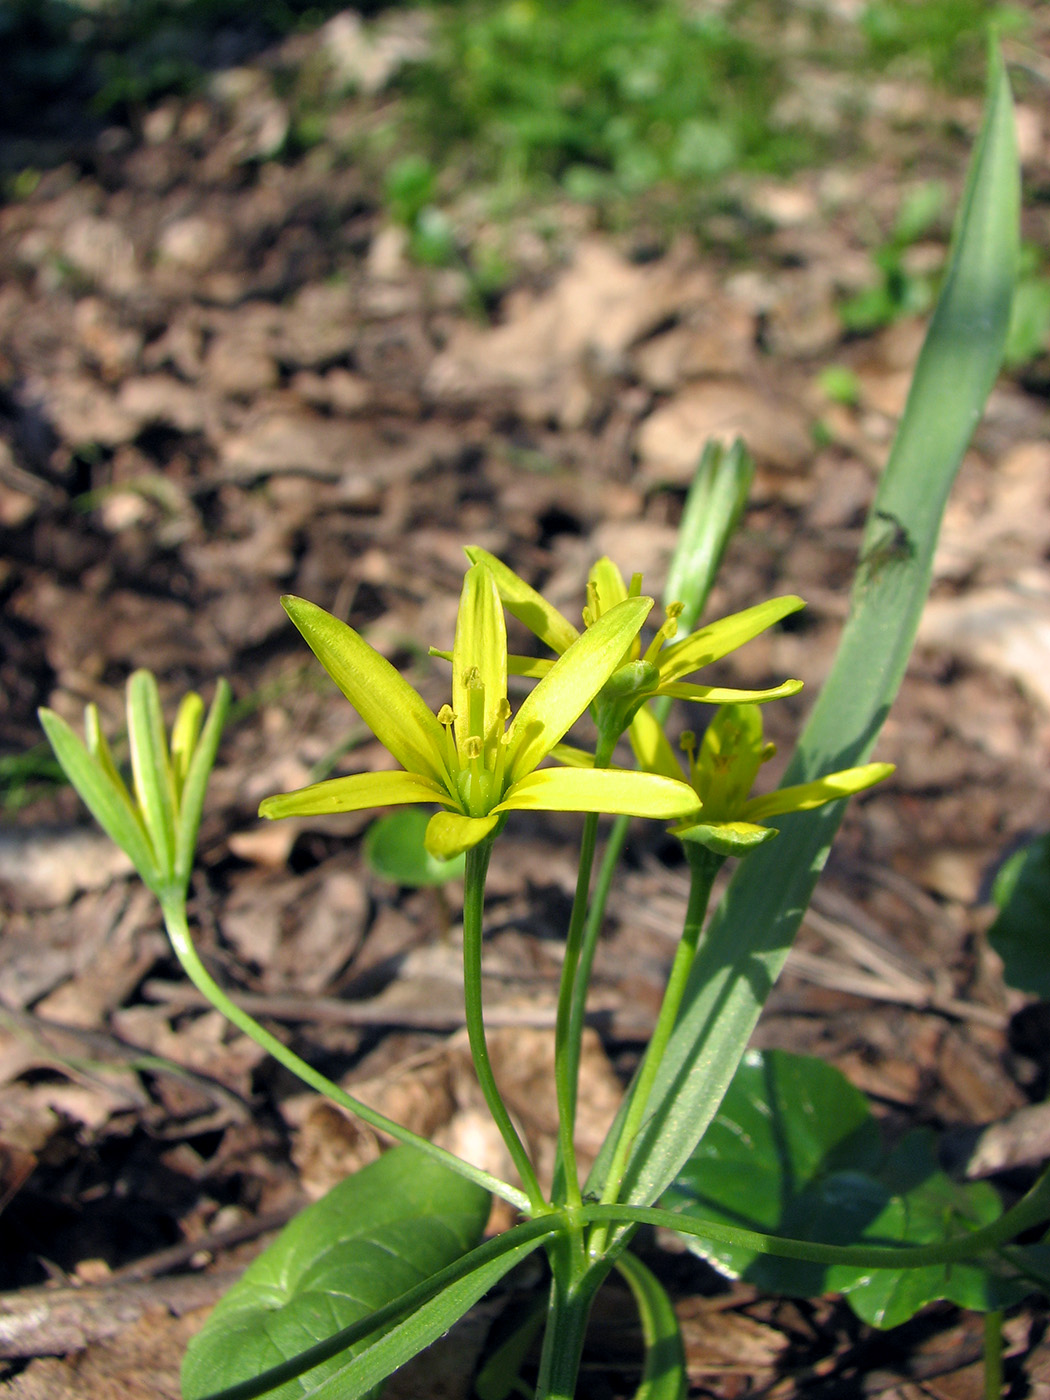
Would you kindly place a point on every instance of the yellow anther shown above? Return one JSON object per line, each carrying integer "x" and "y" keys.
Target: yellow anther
{"x": 445, "y": 716}
{"x": 473, "y": 747}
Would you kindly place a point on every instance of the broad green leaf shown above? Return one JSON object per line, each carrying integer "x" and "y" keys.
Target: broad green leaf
{"x": 664, "y": 1374}
{"x": 794, "y": 1151}
{"x": 1021, "y": 933}
{"x": 748, "y": 939}
{"x": 396, "y": 714}
{"x": 601, "y": 790}
{"x": 353, "y": 794}
{"x": 368, "y": 1241}
{"x": 394, "y": 850}
{"x": 558, "y": 700}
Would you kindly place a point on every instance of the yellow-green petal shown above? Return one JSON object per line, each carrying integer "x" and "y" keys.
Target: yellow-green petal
{"x": 612, "y": 790}
{"x": 479, "y": 654}
{"x": 524, "y": 603}
{"x": 353, "y": 794}
{"x": 718, "y": 639}
{"x": 727, "y": 695}
{"x": 803, "y": 797}
{"x": 558, "y": 700}
{"x": 396, "y": 714}
{"x": 608, "y": 583}
{"x": 451, "y": 833}
{"x": 652, "y": 749}
{"x": 727, "y": 838}
{"x": 569, "y": 756}
{"x": 533, "y": 668}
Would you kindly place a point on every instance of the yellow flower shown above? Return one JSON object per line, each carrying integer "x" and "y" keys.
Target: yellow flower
{"x": 722, "y": 771}
{"x": 660, "y": 669}
{"x": 467, "y": 758}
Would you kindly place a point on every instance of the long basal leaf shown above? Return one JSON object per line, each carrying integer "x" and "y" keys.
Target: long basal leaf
{"x": 748, "y": 940}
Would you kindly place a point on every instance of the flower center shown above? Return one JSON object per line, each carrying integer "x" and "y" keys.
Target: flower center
{"x": 477, "y": 765}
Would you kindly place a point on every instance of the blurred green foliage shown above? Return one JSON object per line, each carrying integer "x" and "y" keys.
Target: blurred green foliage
{"x": 900, "y": 289}
{"x": 597, "y": 96}
{"x": 945, "y": 36}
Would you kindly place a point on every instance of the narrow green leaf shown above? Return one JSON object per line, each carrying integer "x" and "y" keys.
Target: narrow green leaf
{"x": 748, "y": 939}
{"x": 664, "y": 1374}
{"x": 371, "y": 1239}
{"x": 109, "y": 803}
{"x": 430, "y": 1321}
{"x": 151, "y": 766}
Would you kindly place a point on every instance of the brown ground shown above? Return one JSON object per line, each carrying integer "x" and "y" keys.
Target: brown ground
{"x": 221, "y": 380}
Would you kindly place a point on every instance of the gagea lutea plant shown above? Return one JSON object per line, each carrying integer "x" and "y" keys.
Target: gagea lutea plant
{"x": 390, "y": 1259}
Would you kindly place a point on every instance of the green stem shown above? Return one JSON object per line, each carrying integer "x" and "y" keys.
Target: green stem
{"x": 704, "y": 865}
{"x": 573, "y": 1288}
{"x": 993, "y": 1355}
{"x": 1031, "y": 1210}
{"x": 473, "y": 908}
{"x": 174, "y": 910}
{"x": 661, "y": 708}
{"x": 572, "y": 997}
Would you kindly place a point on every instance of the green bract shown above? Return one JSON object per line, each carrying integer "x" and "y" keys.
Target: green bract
{"x": 722, "y": 771}
{"x": 466, "y": 758}
{"x": 155, "y": 823}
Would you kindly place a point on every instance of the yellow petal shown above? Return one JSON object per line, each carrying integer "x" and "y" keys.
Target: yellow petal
{"x": 479, "y": 654}
{"x": 727, "y": 838}
{"x": 533, "y": 668}
{"x": 526, "y": 604}
{"x": 398, "y": 716}
{"x": 651, "y": 746}
{"x": 726, "y": 695}
{"x": 451, "y": 833}
{"x": 720, "y": 638}
{"x": 601, "y": 790}
{"x": 803, "y": 797}
{"x": 359, "y": 791}
{"x": 558, "y": 700}
{"x": 608, "y": 583}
